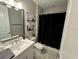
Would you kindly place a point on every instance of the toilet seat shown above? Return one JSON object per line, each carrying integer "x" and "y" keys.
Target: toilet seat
{"x": 38, "y": 46}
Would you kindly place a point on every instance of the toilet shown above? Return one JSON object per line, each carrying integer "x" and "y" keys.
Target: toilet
{"x": 44, "y": 52}
{"x": 38, "y": 47}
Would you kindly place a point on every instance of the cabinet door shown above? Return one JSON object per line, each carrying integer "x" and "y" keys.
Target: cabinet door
{"x": 22, "y": 57}
{"x": 26, "y": 54}
{"x": 29, "y": 53}
{"x": 25, "y": 57}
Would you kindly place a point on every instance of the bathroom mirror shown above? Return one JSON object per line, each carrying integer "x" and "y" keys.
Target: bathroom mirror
{"x": 11, "y": 21}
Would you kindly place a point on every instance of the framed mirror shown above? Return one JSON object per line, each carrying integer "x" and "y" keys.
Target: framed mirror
{"x": 11, "y": 21}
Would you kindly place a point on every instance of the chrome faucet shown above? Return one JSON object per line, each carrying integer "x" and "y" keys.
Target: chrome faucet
{"x": 16, "y": 41}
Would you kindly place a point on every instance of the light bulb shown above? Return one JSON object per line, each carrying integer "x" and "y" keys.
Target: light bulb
{"x": 16, "y": 9}
{"x": 8, "y": 6}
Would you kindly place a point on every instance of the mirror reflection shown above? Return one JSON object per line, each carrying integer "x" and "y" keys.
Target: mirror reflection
{"x": 11, "y": 21}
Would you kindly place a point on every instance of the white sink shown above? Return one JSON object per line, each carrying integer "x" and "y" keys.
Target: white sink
{"x": 19, "y": 46}
{"x": 17, "y": 49}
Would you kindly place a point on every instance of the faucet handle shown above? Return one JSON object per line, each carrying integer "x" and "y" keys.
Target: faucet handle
{"x": 12, "y": 43}
{"x": 16, "y": 41}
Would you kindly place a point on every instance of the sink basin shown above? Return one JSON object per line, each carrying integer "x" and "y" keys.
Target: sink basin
{"x": 19, "y": 46}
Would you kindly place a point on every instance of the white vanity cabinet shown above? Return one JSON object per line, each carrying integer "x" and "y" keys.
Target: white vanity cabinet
{"x": 26, "y": 54}
{"x": 23, "y": 50}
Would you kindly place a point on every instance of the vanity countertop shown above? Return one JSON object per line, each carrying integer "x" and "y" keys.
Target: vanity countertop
{"x": 20, "y": 47}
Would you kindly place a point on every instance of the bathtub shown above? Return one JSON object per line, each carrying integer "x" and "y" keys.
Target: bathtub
{"x": 50, "y": 53}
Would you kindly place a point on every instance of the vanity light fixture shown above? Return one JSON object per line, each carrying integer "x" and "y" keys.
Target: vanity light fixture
{"x": 8, "y": 6}
{"x": 16, "y": 9}
{"x": 1, "y": 0}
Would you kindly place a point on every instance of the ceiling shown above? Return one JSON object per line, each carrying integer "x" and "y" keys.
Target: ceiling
{"x": 45, "y": 4}
{"x": 51, "y": 3}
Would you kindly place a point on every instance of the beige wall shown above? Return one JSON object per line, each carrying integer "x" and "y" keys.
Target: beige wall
{"x": 70, "y": 34}
{"x": 30, "y": 7}
{"x": 40, "y": 10}
{"x": 56, "y": 9}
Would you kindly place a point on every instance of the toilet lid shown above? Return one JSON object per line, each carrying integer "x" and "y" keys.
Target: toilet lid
{"x": 38, "y": 46}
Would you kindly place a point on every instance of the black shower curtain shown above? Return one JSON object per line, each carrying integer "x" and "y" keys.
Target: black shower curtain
{"x": 50, "y": 29}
